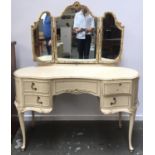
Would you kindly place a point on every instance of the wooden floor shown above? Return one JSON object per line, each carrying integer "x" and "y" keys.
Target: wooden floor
{"x": 79, "y": 138}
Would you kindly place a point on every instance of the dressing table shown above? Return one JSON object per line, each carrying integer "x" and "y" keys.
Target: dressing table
{"x": 57, "y": 73}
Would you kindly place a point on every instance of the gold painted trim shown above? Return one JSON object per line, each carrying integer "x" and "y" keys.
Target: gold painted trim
{"x": 33, "y": 27}
{"x": 76, "y": 92}
{"x": 121, "y": 28}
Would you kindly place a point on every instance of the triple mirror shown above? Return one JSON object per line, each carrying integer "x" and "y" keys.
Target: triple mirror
{"x": 77, "y": 36}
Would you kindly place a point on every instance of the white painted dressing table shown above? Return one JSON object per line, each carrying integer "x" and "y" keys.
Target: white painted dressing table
{"x": 57, "y": 73}
{"x": 115, "y": 86}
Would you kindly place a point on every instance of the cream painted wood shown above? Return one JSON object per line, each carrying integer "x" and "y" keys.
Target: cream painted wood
{"x": 76, "y": 86}
{"x": 37, "y": 86}
{"x": 131, "y": 123}
{"x": 81, "y": 71}
{"x": 116, "y": 101}
{"x": 45, "y": 58}
{"x": 22, "y": 126}
{"x": 36, "y": 100}
{"x": 115, "y": 86}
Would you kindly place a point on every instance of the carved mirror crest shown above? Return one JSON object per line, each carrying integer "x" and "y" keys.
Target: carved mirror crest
{"x": 111, "y": 39}
{"x": 42, "y": 38}
{"x": 76, "y": 35}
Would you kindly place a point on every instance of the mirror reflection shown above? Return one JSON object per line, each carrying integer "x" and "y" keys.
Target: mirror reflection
{"x": 111, "y": 37}
{"x": 42, "y": 35}
{"x": 76, "y": 34}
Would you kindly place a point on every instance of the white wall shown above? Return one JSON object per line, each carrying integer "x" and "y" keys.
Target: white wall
{"x": 128, "y": 12}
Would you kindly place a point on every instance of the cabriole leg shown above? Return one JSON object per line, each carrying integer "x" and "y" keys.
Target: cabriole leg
{"x": 131, "y": 123}
{"x": 22, "y": 126}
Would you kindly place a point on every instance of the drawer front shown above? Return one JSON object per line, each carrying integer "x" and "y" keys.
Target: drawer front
{"x": 36, "y": 86}
{"x": 118, "y": 101}
{"x": 36, "y": 100}
{"x": 117, "y": 88}
{"x": 76, "y": 86}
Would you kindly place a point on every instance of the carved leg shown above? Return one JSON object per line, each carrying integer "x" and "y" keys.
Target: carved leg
{"x": 131, "y": 123}
{"x": 22, "y": 126}
{"x": 33, "y": 116}
{"x": 120, "y": 121}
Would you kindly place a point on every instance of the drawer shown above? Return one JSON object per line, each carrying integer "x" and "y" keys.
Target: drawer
{"x": 36, "y": 100}
{"x": 76, "y": 86}
{"x": 113, "y": 88}
{"x": 36, "y": 86}
{"x": 117, "y": 101}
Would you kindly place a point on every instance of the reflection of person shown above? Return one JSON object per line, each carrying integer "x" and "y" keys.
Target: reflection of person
{"x": 47, "y": 32}
{"x": 83, "y": 27}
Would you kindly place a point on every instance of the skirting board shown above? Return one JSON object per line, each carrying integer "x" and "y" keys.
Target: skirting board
{"x": 38, "y": 117}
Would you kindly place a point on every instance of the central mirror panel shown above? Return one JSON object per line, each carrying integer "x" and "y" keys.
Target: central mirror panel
{"x": 76, "y": 35}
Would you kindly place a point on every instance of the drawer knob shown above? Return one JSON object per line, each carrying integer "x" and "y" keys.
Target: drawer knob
{"x": 114, "y": 102}
{"x": 120, "y": 84}
{"x": 33, "y": 86}
{"x": 38, "y": 100}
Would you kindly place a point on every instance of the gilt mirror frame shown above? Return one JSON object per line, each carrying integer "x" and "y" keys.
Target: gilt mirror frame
{"x": 43, "y": 61}
{"x": 76, "y": 5}
{"x": 121, "y": 28}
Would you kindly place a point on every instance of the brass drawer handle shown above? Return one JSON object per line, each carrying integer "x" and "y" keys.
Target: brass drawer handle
{"x": 33, "y": 86}
{"x": 113, "y": 103}
{"x": 120, "y": 84}
{"x": 38, "y": 100}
